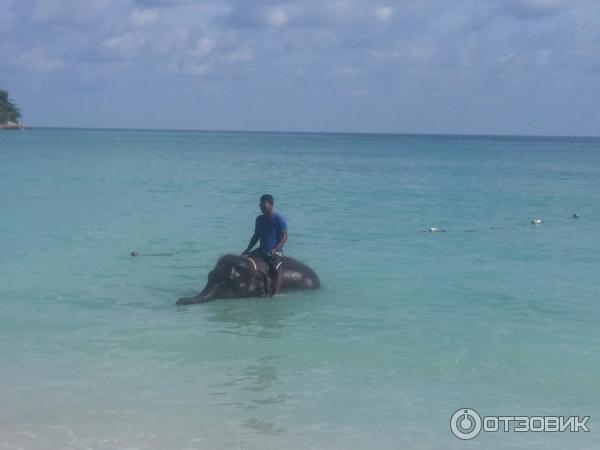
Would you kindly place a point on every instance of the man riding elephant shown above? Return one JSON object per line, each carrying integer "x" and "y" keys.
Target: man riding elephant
{"x": 261, "y": 272}
{"x": 271, "y": 229}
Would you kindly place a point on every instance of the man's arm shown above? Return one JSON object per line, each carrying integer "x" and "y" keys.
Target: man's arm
{"x": 253, "y": 241}
{"x": 282, "y": 241}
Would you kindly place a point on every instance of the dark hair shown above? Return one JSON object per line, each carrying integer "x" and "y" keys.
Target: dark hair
{"x": 268, "y": 198}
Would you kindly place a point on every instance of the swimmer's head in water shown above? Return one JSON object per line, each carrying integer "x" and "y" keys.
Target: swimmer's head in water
{"x": 134, "y": 253}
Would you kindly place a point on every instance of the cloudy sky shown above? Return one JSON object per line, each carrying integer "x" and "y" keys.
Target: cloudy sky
{"x": 420, "y": 66}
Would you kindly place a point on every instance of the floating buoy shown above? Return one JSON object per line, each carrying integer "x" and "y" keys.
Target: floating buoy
{"x": 536, "y": 221}
{"x": 436, "y": 230}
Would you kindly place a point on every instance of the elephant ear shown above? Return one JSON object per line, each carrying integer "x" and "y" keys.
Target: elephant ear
{"x": 247, "y": 264}
{"x": 238, "y": 274}
{"x": 246, "y": 267}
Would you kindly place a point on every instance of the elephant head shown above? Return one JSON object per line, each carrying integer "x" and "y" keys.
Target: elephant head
{"x": 232, "y": 277}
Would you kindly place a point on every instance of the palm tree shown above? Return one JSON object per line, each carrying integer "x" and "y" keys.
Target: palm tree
{"x": 9, "y": 112}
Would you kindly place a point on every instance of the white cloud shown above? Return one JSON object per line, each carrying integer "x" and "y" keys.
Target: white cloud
{"x": 39, "y": 59}
{"x": 204, "y": 47}
{"x": 210, "y": 58}
{"x": 126, "y": 45}
{"x": 276, "y": 16}
{"x": 143, "y": 17}
{"x": 540, "y": 4}
{"x": 415, "y": 51}
{"x": 533, "y": 8}
{"x": 200, "y": 37}
{"x": 192, "y": 68}
{"x": 67, "y": 11}
{"x": 543, "y": 57}
{"x": 341, "y": 9}
{"x": 242, "y": 54}
{"x": 383, "y": 13}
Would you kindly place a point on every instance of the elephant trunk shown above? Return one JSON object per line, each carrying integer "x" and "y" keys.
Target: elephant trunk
{"x": 205, "y": 296}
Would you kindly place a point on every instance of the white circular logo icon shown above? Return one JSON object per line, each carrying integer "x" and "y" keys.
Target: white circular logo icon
{"x": 465, "y": 423}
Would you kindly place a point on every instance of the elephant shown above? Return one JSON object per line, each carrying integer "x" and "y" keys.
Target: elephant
{"x": 248, "y": 276}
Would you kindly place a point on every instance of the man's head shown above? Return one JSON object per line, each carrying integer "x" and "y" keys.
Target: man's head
{"x": 266, "y": 203}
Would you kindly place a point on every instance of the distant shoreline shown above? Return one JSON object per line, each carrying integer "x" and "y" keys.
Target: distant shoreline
{"x": 11, "y": 126}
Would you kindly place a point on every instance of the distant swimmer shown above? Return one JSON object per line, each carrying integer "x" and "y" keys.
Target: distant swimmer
{"x": 575, "y": 216}
{"x": 436, "y": 230}
{"x": 537, "y": 221}
{"x": 136, "y": 253}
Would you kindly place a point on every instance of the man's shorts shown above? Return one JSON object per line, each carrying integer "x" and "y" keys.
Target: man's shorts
{"x": 274, "y": 261}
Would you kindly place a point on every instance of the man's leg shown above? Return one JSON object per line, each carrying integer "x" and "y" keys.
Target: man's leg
{"x": 275, "y": 265}
{"x": 275, "y": 281}
{"x": 268, "y": 276}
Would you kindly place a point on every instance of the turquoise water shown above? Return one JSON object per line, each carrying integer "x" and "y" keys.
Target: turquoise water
{"x": 495, "y": 314}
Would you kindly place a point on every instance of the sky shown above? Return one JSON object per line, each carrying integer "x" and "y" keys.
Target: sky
{"x": 424, "y": 66}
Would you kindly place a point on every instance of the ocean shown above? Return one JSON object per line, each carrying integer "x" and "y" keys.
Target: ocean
{"x": 494, "y": 314}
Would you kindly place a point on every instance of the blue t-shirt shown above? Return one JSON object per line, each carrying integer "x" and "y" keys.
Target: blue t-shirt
{"x": 269, "y": 230}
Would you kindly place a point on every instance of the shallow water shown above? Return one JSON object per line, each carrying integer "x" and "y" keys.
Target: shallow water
{"x": 494, "y": 314}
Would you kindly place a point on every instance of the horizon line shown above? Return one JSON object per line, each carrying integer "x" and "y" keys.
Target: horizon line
{"x": 385, "y": 133}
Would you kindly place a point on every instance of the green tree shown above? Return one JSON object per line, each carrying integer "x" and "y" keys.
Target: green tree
{"x": 9, "y": 112}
